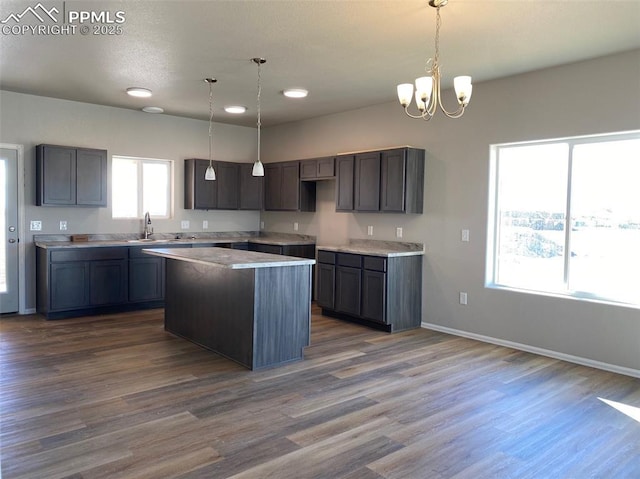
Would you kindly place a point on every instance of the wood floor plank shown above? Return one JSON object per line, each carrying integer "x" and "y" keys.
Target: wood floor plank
{"x": 116, "y": 396}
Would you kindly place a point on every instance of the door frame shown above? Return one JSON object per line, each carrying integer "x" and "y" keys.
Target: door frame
{"x": 22, "y": 227}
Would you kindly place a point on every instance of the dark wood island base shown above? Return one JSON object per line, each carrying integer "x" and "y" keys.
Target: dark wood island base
{"x": 257, "y": 315}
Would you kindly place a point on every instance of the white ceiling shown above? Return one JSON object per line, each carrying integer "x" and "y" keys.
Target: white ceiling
{"x": 348, "y": 54}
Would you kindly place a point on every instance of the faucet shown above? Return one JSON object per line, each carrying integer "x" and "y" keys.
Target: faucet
{"x": 148, "y": 229}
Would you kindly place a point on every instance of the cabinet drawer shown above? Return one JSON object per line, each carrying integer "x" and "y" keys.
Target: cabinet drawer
{"x": 351, "y": 260}
{"x": 266, "y": 248}
{"x": 326, "y": 257}
{"x": 88, "y": 254}
{"x": 375, "y": 263}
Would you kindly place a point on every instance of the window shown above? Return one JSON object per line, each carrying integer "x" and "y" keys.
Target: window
{"x": 140, "y": 185}
{"x": 565, "y": 217}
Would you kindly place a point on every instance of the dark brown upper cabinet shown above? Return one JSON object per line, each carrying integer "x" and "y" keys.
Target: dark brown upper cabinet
{"x": 283, "y": 190}
{"x": 317, "y": 169}
{"x": 367, "y": 182}
{"x": 344, "y": 182}
{"x": 234, "y": 187}
{"x": 390, "y": 181}
{"x": 70, "y": 176}
{"x": 251, "y": 188}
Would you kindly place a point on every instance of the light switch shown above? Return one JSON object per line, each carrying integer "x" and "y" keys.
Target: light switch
{"x": 184, "y": 224}
{"x": 370, "y": 230}
{"x": 463, "y": 298}
{"x": 36, "y": 225}
{"x": 465, "y": 235}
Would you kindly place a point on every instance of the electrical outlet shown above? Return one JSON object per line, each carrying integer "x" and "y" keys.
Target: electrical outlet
{"x": 205, "y": 224}
{"x": 184, "y": 224}
{"x": 370, "y": 230}
{"x": 295, "y": 226}
{"x": 36, "y": 225}
{"x": 464, "y": 235}
{"x": 398, "y": 232}
{"x": 463, "y": 298}
{"x": 63, "y": 226}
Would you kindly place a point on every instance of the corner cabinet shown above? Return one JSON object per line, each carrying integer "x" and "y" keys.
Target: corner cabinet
{"x": 382, "y": 292}
{"x": 283, "y": 190}
{"x": 389, "y": 181}
{"x": 234, "y": 187}
{"x": 70, "y": 176}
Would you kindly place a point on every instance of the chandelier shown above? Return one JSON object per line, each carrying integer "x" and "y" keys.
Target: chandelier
{"x": 427, "y": 91}
{"x": 258, "y": 167}
{"x": 210, "y": 173}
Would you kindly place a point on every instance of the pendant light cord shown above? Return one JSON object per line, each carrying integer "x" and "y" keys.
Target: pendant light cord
{"x": 259, "y": 124}
{"x": 210, "y": 120}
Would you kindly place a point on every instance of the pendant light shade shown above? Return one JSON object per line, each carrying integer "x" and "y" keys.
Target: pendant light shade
{"x": 210, "y": 173}
{"x": 258, "y": 167}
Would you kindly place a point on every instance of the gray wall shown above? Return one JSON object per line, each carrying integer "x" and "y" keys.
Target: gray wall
{"x": 30, "y": 120}
{"x": 589, "y": 97}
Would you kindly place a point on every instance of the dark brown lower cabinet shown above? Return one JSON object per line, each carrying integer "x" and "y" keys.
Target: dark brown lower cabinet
{"x": 382, "y": 292}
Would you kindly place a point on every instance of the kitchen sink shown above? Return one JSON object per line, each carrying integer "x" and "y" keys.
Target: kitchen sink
{"x": 149, "y": 240}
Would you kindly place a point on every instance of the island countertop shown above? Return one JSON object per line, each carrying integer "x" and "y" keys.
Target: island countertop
{"x": 229, "y": 258}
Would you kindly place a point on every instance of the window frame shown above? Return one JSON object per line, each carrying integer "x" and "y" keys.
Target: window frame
{"x": 493, "y": 220}
{"x": 140, "y": 161}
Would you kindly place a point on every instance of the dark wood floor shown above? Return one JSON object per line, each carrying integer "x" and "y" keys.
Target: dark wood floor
{"x": 117, "y": 397}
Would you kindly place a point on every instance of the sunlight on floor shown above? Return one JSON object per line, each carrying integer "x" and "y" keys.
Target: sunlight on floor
{"x": 631, "y": 411}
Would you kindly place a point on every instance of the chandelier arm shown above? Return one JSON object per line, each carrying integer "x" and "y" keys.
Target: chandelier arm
{"x": 426, "y": 116}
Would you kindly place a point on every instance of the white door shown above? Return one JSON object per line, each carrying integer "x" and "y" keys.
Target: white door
{"x": 9, "y": 234}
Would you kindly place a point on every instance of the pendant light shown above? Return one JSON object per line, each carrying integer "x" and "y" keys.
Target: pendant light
{"x": 210, "y": 174}
{"x": 258, "y": 167}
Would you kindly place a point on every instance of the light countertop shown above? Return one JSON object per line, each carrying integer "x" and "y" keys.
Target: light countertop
{"x": 229, "y": 258}
{"x": 386, "y": 249}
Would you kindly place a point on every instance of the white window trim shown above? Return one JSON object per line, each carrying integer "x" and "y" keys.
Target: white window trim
{"x": 493, "y": 223}
{"x": 140, "y": 161}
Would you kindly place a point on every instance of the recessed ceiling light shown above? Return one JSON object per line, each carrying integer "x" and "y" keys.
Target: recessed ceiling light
{"x": 235, "y": 109}
{"x": 152, "y": 109}
{"x": 295, "y": 93}
{"x": 139, "y": 92}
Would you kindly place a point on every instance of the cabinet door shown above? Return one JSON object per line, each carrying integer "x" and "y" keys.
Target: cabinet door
{"x": 69, "y": 285}
{"x": 250, "y": 188}
{"x": 326, "y": 285}
{"x": 348, "y": 290}
{"x": 290, "y": 199}
{"x": 393, "y": 181}
{"x": 227, "y": 184}
{"x": 344, "y": 183}
{"x": 91, "y": 177}
{"x": 374, "y": 295}
{"x": 326, "y": 168}
{"x": 367, "y": 182}
{"x": 199, "y": 193}
{"x": 309, "y": 169}
{"x": 272, "y": 186}
{"x": 56, "y": 175}
{"x": 146, "y": 279}
{"x": 108, "y": 282}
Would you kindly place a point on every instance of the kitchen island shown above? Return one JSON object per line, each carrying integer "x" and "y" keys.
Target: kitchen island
{"x": 253, "y": 308}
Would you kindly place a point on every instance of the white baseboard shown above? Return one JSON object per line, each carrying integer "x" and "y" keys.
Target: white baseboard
{"x": 29, "y": 311}
{"x": 533, "y": 349}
